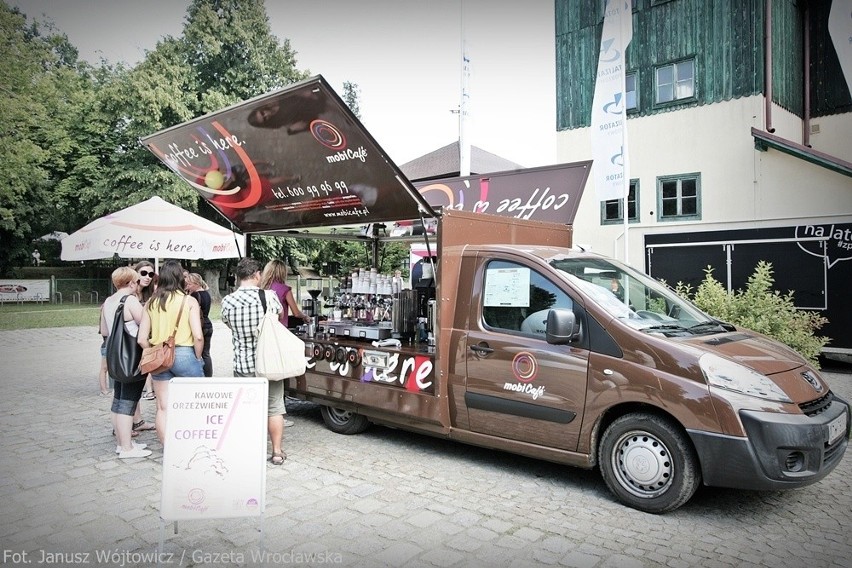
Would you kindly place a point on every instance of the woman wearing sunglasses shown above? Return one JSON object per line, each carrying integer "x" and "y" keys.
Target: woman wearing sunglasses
{"x": 171, "y": 306}
{"x": 147, "y": 280}
{"x": 144, "y": 290}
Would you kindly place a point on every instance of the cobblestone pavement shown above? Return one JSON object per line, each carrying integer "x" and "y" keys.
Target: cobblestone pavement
{"x": 382, "y": 498}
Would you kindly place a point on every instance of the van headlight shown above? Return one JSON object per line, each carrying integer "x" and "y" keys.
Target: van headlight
{"x": 725, "y": 374}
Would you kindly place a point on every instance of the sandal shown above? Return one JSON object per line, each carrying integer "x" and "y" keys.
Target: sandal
{"x": 278, "y": 459}
{"x": 143, "y": 426}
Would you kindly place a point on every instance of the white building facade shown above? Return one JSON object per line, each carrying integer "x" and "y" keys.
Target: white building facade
{"x": 740, "y": 140}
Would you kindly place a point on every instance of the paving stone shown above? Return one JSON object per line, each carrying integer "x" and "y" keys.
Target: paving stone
{"x": 621, "y": 561}
{"x": 528, "y": 534}
{"x": 443, "y": 558}
{"x": 480, "y": 534}
{"x": 383, "y": 498}
{"x": 577, "y": 559}
{"x": 398, "y": 554}
{"x": 424, "y": 519}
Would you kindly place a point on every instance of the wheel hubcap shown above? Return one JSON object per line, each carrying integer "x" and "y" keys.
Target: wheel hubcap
{"x": 340, "y": 416}
{"x": 642, "y": 464}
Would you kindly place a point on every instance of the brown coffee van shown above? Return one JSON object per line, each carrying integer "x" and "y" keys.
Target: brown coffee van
{"x": 508, "y": 337}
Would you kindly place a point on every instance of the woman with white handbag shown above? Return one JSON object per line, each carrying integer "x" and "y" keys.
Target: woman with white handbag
{"x": 274, "y": 277}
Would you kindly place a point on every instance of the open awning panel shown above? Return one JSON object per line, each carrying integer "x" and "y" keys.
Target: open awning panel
{"x": 289, "y": 160}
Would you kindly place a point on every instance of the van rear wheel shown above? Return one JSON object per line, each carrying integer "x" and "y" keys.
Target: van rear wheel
{"x": 649, "y": 463}
{"x": 343, "y": 421}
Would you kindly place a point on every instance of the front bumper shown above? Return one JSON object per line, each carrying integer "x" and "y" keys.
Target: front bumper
{"x": 780, "y": 451}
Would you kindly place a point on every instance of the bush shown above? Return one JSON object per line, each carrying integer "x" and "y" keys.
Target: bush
{"x": 762, "y": 309}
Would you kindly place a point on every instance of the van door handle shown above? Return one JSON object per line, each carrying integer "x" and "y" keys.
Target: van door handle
{"x": 481, "y": 349}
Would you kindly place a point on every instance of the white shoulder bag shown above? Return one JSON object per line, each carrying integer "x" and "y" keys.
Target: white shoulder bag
{"x": 279, "y": 354}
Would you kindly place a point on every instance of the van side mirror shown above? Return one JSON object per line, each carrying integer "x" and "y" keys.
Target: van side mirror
{"x": 561, "y": 327}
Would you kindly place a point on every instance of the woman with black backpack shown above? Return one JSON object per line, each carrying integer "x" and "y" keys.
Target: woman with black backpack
{"x": 126, "y": 395}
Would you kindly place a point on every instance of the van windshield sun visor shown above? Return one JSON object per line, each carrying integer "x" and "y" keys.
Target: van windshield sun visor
{"x": 296, "y": 158}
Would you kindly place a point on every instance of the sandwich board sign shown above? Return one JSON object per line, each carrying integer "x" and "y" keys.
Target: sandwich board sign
{"x": 214, "y": 464}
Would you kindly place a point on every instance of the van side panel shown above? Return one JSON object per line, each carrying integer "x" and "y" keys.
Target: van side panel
{"x": 452, "y": 336}
{"x": 456, "y": 231}
{"x": 616, "y": 385}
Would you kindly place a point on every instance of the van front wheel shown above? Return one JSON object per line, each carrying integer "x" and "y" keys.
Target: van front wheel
{"x": 343, "y": 421}
{"x": 649, "y": 463}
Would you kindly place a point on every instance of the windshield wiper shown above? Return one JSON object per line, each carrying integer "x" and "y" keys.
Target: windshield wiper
{"x": 711, "y": 324}
{"x": 665, "y": 327}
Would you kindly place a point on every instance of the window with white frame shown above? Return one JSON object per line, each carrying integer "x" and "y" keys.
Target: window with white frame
{"x": 612, "y": 211}
{"x": 675, "y": 81}
{"x": 679, "y": 197}
{"x": 630, "y": 92}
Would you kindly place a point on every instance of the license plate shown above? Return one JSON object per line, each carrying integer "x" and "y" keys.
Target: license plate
{"x": 836, "y": 428}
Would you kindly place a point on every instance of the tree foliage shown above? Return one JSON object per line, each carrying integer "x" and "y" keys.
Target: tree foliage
{"x": 227, "y": 53}
{"x": 41, "y": 86}
{"x": 70, "y": 137}
{"x": 761, "y": 308}
{"x": 71, "y": 131}
{"x": 352, "y": 97}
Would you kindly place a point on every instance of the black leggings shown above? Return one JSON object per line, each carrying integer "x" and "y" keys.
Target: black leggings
{"x": 205, "y": 352}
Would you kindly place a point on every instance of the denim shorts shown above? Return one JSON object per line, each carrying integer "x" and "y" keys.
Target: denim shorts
{"x": 103, "y": 347}
{"x": 186, "y": 365}
{"x": 126, "y": 396}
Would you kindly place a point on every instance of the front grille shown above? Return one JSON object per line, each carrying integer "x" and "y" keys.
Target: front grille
{"x": 817, "y": 406}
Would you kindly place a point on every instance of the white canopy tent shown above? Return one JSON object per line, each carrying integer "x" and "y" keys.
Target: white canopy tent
{"x": 153, "y": 229}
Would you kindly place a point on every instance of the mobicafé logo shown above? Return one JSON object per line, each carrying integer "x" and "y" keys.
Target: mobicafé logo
{"x": 328, "y": 134}
{"x": 527, "y": 388}
{"x": 525, "y": 369}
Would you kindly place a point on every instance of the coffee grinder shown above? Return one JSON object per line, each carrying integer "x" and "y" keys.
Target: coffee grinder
{"x": 424, "y": 289}
{"x": 310, "y": 307}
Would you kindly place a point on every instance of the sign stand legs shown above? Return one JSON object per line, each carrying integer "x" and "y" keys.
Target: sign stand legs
{"x": 260, "y": 528}
{"x": 162, "y": 545}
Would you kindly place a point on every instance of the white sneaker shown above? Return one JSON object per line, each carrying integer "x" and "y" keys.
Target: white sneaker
{"x": 288, "y": 423}
{"x": 134, "y": 453}
{"x": 135, "y": 445}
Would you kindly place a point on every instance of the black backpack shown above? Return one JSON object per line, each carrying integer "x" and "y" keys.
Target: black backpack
{"x": 123, "y": 352}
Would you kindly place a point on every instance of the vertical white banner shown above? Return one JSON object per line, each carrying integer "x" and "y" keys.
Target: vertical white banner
{"x": 609, "y": 113}
{"x": 840, "y": 30}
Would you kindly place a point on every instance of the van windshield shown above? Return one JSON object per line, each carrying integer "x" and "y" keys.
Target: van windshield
{"x": 638, "y": 300}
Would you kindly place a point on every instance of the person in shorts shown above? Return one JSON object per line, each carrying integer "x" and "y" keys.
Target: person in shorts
{"x": 125, "y": 395}
{"x": 242, "y": 311}
{"x": 158, "y": 323}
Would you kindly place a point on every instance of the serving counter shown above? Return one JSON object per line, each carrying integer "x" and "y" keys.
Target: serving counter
{"x": 408, "y": 366}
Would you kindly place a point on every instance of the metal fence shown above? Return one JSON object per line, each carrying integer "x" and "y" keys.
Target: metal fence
{"x": 80, "y": 290}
